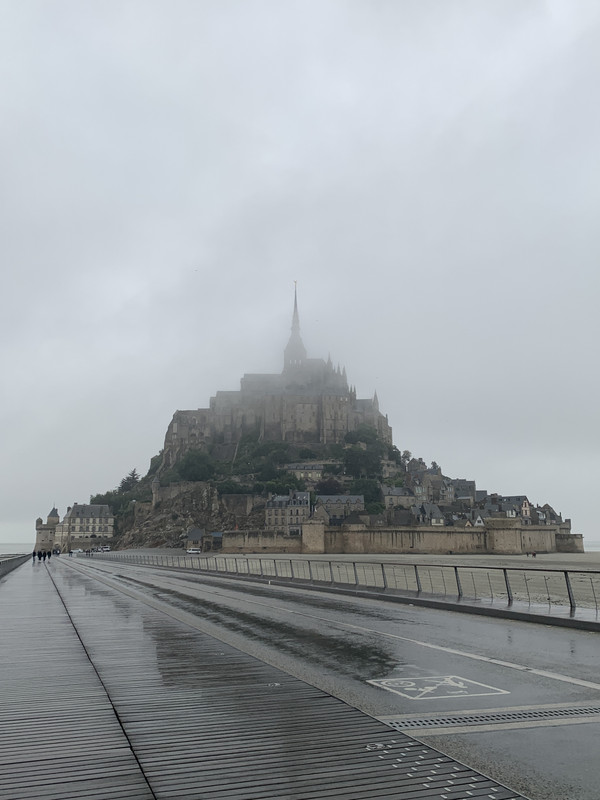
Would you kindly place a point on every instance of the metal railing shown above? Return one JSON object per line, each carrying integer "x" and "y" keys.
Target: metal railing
{"x": 531, "y": 585}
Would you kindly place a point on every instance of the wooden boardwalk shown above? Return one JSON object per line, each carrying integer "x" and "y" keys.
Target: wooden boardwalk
{"x": 104, "y": 697}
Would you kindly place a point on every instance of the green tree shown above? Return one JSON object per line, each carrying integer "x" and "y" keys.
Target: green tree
{"x": 116, "y": 501}
{"x": 369, "y": 488}
{"x": 364, "y": 433}
{"x": 329, "y": 486}
{"x": 280, "y": 485}
{"x": 394, "y": 454}
{"x": 196, "y": 466}
{"x": 306, "y": 454}
{"x": 332, "y": 469}
{"x": 334, "y": 451}
{"x": 362, "y": 463}
{"x": 129, "y": 481}
{"x": 231, "y": 487}
{"x": 268, "y": 472}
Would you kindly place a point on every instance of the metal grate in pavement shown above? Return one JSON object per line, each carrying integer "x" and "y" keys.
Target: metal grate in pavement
{"x": 492, "y": 718}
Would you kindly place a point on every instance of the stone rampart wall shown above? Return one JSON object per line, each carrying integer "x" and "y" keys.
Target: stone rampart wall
{"x": 569, "y": 543}
{"x": 318, "y": 539}
{"x": 405, "y": 540}
{"x": 260, "y": 542}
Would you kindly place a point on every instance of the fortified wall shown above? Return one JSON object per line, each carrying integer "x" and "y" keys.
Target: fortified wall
{"x": 316, "y": 538}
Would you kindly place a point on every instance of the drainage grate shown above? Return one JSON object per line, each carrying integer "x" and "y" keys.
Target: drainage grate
{"x": 492, "y": 718}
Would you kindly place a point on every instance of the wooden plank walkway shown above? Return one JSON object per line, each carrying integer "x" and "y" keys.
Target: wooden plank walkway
{"x": 103, "y": 697}
{"x": 59, "y": 736}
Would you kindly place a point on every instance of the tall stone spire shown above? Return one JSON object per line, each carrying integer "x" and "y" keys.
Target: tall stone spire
{"x": 295, "y": 353}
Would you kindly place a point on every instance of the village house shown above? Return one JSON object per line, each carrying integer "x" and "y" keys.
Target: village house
{"x": 340, "y": 506}
{"x": 394, "y": 496}
{"x": 83, "y": 526}
{"x": 286, "y": 513}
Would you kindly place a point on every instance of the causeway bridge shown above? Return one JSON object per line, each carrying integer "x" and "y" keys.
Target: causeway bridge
{"x": 121, "y": 680}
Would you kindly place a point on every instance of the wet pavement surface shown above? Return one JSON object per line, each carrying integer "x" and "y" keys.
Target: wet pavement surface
{"x": 494, "y": 693}
{"x": 111, "y": 688}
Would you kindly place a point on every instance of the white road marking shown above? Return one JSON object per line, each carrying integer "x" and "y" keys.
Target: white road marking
{"x": 435, "y": 687}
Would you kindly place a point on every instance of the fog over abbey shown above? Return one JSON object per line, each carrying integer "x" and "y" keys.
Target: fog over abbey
{"x": 310, "y": 402}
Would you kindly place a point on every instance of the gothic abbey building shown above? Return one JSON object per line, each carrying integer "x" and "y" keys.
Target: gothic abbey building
{"x": 310, "y": 402}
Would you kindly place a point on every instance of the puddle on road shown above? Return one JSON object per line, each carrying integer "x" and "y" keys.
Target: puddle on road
{"x": 351, "y": 658}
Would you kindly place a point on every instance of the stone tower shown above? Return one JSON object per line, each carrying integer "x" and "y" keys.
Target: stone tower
{"x": 45, "y": 532}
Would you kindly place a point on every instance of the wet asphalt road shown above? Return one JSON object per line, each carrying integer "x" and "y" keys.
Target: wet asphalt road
{"x": 400, "y": 663}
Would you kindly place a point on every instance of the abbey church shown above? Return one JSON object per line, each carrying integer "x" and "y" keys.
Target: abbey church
{"x": 309, "y": 402}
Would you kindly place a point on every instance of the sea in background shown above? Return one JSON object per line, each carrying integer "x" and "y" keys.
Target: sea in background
{"x": 15, "y": 548}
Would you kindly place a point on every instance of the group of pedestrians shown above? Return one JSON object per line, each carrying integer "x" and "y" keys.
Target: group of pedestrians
{"x": 42, "y": 555}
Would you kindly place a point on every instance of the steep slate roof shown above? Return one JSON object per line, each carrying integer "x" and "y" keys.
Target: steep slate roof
{"x": 396, "y": 491}
{"x": 306, "y": 465}
{"x": 431, "y": 510}
{"x": 89, "y": 511}
{"x": 344, "y": 499}
{"x": 281, "y": 500}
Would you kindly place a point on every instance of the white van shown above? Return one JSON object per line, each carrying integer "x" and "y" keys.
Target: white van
{"x": 194, "y": 551}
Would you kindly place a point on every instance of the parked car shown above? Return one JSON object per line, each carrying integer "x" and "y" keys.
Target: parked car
{"x": 105, "y": 549}
{"x": 194, "y": 550}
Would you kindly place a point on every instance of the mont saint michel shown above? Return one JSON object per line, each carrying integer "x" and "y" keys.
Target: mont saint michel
{"x": 295, "y": 462}
{"x": 310, "y": 402}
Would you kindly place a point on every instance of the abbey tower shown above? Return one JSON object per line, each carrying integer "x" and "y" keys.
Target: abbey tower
{"x": 310, "y": 402}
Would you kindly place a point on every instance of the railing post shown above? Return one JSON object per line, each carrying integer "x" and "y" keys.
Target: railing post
{"x": 508, "y": 589}
{"x": 355, "y": 573}
{"x": 384, "y": 576}
{"x": 310, "y": 574}
{"x": 418, "y": 579}
{"x": 331, "y": 574}
{"x": 458, "y": 583}
{"x": 572, "y": 602}
{"x": 291, "y": 569}
{"x": 260, "y": 567}
{"x": 275, "y": 565}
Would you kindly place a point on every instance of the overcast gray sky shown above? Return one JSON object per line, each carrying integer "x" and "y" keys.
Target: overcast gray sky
{"x": 427, "y": 170}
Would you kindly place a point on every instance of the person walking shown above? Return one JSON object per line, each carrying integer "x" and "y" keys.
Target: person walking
{"x": 34, "y": 554}
{"x": 39, "y": 555}
{"x": 49, "y": 554}
{"x": 44, "y": 556}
